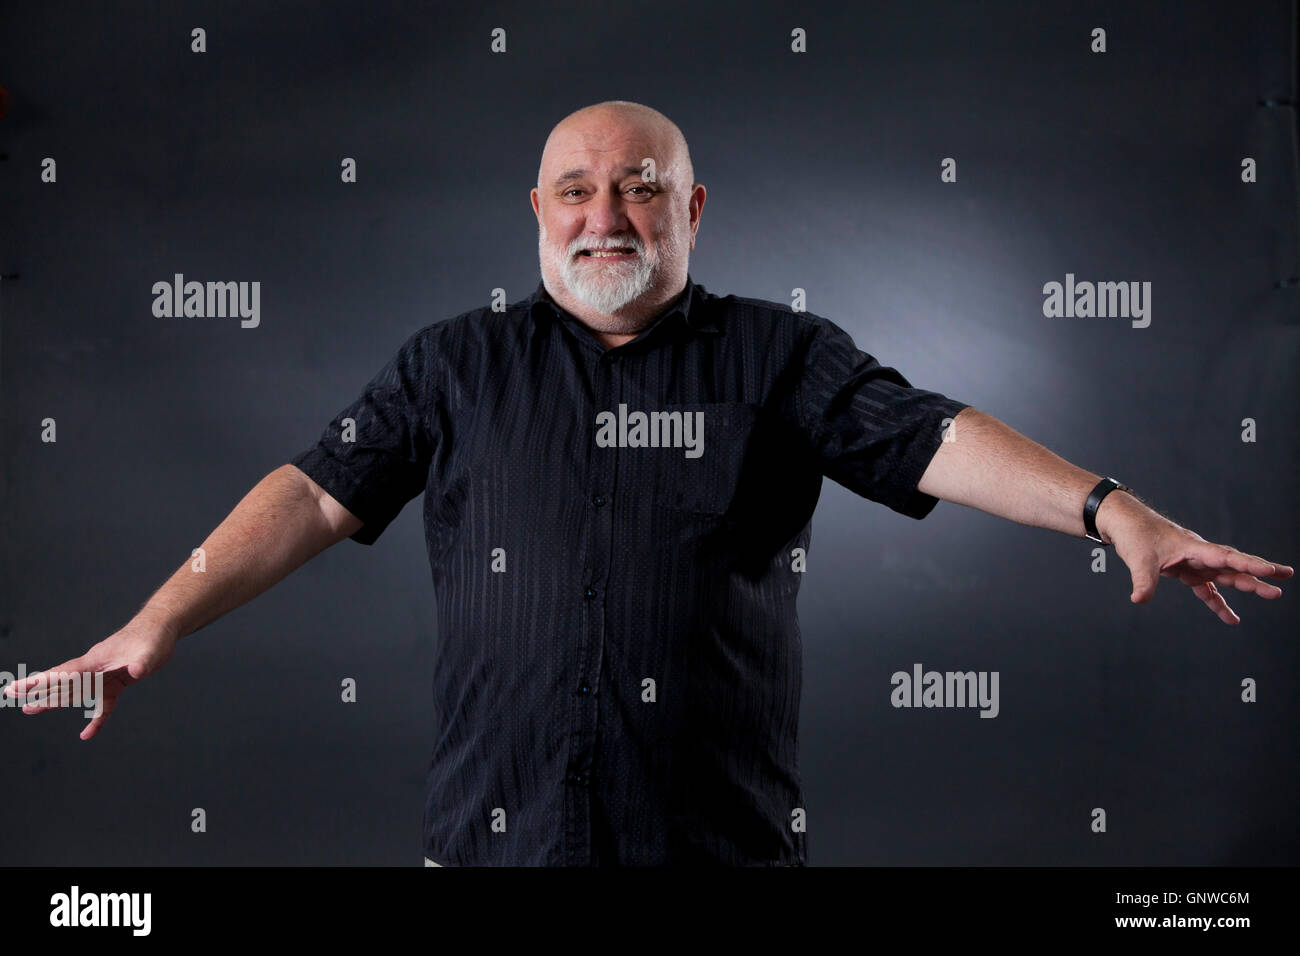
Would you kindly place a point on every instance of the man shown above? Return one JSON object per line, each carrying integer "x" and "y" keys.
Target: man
{"x": 620, "y": 473}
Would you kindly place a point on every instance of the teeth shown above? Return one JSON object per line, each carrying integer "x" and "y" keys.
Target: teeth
{"x": 604, "y": 253}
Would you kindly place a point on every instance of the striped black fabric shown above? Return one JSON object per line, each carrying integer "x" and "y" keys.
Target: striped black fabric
{"x": 618, "y": 663}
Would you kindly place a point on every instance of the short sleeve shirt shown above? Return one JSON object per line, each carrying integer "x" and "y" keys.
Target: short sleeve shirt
{"x": 617, "y": 537}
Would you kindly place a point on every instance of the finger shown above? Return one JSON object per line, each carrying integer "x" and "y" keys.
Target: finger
{"x": 1283, "y": 571}
{"x": 39, "y": 703}
{"x": 60, "y": 687}
{"x": 42, "y": 701}
{"x": 1249, "y": 583}
{"x": 92, "y": 728}
{"x": 14, "y": 688}
{"x": 1222, "y": 556}
{"x": 1208, "y": 593}
{"x": 20, "y": 686}
{"x": 93, "y": 660}
{"x": 1230, "y": 579}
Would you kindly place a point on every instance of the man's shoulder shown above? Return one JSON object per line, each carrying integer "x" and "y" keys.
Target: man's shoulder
{"x": 474, "y": 327}
{"x": 751, "y": 313}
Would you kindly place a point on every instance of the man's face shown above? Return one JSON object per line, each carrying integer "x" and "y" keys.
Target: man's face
{"x": 605, "y": 237}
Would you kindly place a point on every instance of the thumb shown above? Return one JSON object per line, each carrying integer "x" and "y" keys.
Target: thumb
{"x": 138, "y": 668}
{"x": 1144, "y": 583}
{"x": 144, "y": 663}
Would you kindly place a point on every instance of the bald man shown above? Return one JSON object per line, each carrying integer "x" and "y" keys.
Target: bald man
{"x": 616, "y": 290}
{"x": 620, "y": 472}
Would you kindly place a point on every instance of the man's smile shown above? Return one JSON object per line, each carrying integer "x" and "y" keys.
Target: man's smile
{"x": 623, "y": 252}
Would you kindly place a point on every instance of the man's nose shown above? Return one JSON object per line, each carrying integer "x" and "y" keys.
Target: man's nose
{"x": 606, "y": 213}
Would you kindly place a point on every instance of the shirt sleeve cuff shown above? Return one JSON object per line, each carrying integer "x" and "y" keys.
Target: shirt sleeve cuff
{"x": 335, "y": 477}
{"x": 911, "y": 502}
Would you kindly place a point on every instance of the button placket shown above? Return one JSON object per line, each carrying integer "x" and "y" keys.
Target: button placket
{"x": 585, "y": 701}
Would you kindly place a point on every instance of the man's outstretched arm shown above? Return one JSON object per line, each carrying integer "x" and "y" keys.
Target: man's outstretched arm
{"x": 994, "y": 468}
{"x": 283, "y": 522}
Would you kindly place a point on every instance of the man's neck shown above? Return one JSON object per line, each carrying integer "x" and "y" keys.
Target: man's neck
{"x": 610, "y": 339}
{"x": 639, "y": 315}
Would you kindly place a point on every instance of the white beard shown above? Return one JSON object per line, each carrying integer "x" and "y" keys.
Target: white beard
{"x": 607, "y": 287}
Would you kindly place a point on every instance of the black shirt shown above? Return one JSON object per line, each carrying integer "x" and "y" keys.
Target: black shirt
{"x": 618, "y": 663}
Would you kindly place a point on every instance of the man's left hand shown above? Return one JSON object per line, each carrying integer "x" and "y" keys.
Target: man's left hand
{"x": 1153, "y": 547}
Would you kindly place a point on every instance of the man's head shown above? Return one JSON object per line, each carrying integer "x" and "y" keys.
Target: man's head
{"x": 591, "y": 197}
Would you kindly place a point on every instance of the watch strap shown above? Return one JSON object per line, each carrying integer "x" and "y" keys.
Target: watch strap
{"x": 1103, "y": 488}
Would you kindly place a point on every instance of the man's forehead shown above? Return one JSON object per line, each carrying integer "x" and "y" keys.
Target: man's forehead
{"x": 599, "y": 159}
{"x": 592, "y": 147}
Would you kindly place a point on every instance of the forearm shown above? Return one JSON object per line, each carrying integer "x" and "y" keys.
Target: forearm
{"x": 992, "y": 467}
{"x": 279, "y": 525}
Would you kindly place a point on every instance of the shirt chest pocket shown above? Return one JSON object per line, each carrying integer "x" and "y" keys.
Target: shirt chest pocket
{"x": 700, "y": 474}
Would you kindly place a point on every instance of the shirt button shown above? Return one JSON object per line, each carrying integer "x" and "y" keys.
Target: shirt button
{"x": 589, "y": 593}
{"x": 578, "y": 778}
{"x": 584, "y": 690}
{"x": 598, "y": 500}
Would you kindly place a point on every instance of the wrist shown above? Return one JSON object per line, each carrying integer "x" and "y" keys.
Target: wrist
{"x": 1116, "y": 510}
{"x": 158, "y": 620}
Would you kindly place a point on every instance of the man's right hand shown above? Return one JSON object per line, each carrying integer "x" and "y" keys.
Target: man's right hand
{"x": 285, "y": 520}
{"x": 124, "y": 657}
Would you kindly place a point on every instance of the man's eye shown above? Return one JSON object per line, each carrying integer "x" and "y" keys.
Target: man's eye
{"x": 648, "y": 190}
{"x": 575, "y": 189}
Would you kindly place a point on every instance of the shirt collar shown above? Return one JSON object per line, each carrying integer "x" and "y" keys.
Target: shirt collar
{"x": 543, "y": 309}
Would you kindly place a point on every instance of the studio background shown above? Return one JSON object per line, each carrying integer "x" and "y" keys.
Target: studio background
{"x": 823, "y": 173}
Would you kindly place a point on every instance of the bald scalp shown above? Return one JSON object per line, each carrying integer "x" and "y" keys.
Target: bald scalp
{"x": 647, "y": 118}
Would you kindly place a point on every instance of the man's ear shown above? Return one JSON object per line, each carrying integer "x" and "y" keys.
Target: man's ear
{"x": 698, "y": 194}
{"x": 533, "y": 198}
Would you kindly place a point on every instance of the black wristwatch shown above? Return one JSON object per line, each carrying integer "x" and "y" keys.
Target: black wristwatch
{"x": 1104, "y": 487}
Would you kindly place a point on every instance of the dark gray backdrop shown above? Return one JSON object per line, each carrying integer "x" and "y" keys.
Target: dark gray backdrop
{"x": 823, "y": 174}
